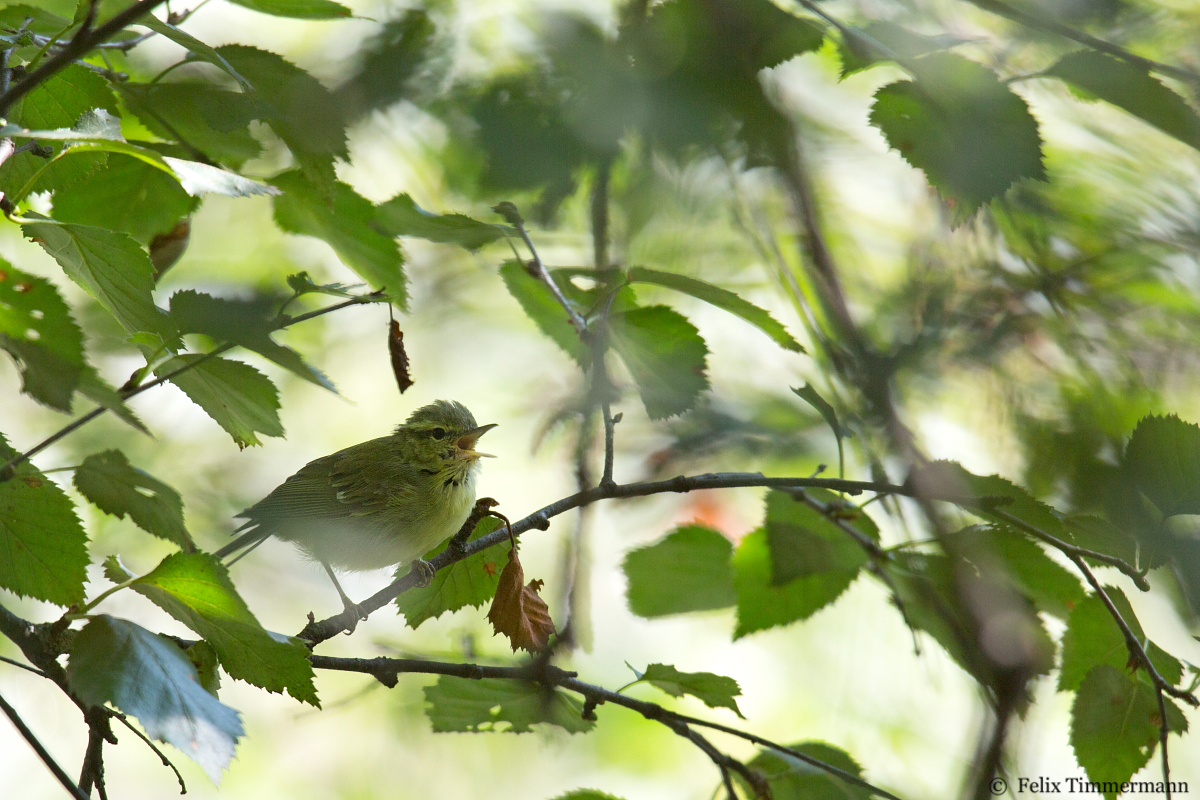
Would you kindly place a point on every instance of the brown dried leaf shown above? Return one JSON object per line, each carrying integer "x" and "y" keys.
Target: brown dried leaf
{"x": 399, "y": 357}
{"x": 166, "y": 248}
{"x": 517, "y": 611}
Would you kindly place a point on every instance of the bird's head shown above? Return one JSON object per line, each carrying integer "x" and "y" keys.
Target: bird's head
{"x": 444, "y": 434}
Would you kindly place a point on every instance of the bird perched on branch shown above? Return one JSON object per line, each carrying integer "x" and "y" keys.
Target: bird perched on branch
{"x": 383, "y": 502}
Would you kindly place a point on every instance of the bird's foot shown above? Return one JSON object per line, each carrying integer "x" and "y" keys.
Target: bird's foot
{"x": 424, "y": 572}
{"x": 354, "y": 608}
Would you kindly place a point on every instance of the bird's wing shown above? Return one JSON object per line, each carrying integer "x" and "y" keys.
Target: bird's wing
{"x": 357, "y": 481}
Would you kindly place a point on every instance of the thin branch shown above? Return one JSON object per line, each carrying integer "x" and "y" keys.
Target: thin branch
{"x": 1039, "y": 21}
{"x": 318, "y": 631}
{"x": 1164, "y": 728}
{"x": 8, "y": 470}
{"x": 513, "y": 217}
{"x": 162, "y": 756}
{"x": 26, "y": 667}
{"x": 387, "y": 670}
{"x": 41, "y": 751}
{"x": 1138, "y": 578}
{"x": 81, "y": 43}
{"x": 1131, "y": 641}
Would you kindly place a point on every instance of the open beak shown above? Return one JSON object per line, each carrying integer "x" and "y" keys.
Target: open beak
{"x": 466, "y": 443}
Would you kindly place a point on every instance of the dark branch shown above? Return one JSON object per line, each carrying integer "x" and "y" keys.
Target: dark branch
{"x": 43, "y": 754}
{"x": 83, "y": 41}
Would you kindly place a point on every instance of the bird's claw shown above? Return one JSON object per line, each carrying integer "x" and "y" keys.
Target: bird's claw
{"x": 424, "y": 572}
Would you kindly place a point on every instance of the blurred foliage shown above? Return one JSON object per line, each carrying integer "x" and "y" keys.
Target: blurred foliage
{"x": 1026, "y": 264}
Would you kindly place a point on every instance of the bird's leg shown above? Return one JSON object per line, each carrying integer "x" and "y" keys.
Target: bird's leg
{"x": 424, "y": 571}
{"x": 347, "y": 603}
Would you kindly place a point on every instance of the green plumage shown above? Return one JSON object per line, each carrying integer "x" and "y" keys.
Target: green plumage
{"x": 379, "y": 503}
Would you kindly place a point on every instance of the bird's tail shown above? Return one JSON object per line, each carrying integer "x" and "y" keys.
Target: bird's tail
{"x": 246, "y": 542}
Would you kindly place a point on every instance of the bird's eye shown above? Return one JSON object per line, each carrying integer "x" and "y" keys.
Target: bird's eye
{"x": 438, "y": 433}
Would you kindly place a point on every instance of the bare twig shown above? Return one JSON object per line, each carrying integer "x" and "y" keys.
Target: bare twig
{"x": 387, "y": 670}
{"x": 1164, "y": 728}
{"x": 41, "y": 751}
{"x": 162, "y": 756}
{"x": 513, "y": 217}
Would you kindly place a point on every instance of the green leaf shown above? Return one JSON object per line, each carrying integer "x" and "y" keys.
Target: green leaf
{"x": 96, "y": 389}
{"x": 346, "y": 223}
{"x": 1132, "y": 88}
{"x": 212, "y": 120}
{"x": 247, "y": 323}
{"x": 969, "y": 133}
{"x": 59, "y": 102}
{"x": 665, "y": 355}
{"x": 1114, "y": 726}
{"x": 1052, "y": 587}
{"x": 688, "y": 570}
{"x": 126, "y": 195}
{"x": 715, "y": 691}
{"x": 496, "y": 704}
{"x": 541, "y": 307}
{"x": 948, "y": 479}
{"x": 37, "y": 330}
{"x": 470, "y": 582}
{"x": 39, "y": 20}
{"x": 111, "y": 267}
{"x": 1162, "y": 461}
{"x": 793, "y": 779}
{"x": 1092, "y": 637}
{"x": 400, "y": 216}
{"x": 43, "y": 549}
{"x": 804, "y": 542}
{"x": 197, "y": 178}
{"x": 238, "y": 397}
{"x": 115, "y": 487}
{"x": 145, "y": 675}
{"x": 302, "y": 283}
{"x": 1096, "y": 533}
{"x": 195, "y": 589}
{"x": 193, "y": 45}
{"x": 301, "y": 111}
{"x": 586, "y": 794}
{"x": 297, "y": 9}
{"x": 762, "y": 605}
{"x": 721, "y": 298}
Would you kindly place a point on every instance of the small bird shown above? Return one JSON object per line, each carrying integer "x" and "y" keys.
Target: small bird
{"x": 383, "y": 502}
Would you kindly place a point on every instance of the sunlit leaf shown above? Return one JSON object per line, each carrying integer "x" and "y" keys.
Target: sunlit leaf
{"x": 109, "y": 481}
{"x": 128, "y": 195}
{"x": 1092, "y": 637}
{"x": 195, "y": 589}
{"x": 688, "y": 570}
{"x": 238, "y": 397}
{"x": 496, "y": 704}
{"x": 804, "y": 542}
{"x": 212, "y": 120}
{"x": 541, "y": 306}
{"x": 43, "y": 549}
{"x": 196, "y": 47}
{"x": 147, "y": 676}
{"x": 470, "y": 582}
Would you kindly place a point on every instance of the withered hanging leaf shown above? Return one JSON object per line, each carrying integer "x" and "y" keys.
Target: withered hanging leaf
{"x": 399, "y": 357}
{"x": 167, "y": 248}
{"x": 517, "y": 611}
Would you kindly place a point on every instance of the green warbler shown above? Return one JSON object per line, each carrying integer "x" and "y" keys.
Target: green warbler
{"x": 383, "y": 502}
